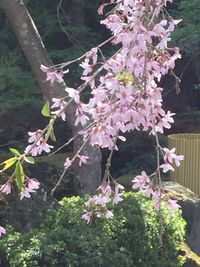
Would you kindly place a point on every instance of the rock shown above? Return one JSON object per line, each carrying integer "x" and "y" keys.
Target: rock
{"x": 190, "y": 204}
{"x": 27, "y": 213}
{"x": 48, "y": 170}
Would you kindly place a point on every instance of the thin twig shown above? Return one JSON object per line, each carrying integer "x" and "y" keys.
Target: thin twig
{"x": 65, "y": 170}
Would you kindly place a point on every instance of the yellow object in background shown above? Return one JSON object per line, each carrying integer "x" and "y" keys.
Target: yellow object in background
{"x": 188, "y": 174}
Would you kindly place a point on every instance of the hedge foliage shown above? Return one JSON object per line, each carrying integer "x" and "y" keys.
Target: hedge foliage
{"x": 131, "y": 239}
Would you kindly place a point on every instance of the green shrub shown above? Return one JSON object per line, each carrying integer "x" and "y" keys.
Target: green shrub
{"x": 131, "y": 239}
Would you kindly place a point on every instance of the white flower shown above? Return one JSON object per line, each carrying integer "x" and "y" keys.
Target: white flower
{"x": 73, "y": 94}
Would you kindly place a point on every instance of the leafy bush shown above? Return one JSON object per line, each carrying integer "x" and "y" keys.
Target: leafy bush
{"x": 133, "y": 238}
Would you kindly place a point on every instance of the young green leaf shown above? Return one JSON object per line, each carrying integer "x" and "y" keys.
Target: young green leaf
{"x": 19, "y": 175}
{"x": 29, "y": 160}
{"x": 15, "y": 152}
{"x": 46, "y": 110}
{"x": 50, "y": 133}
{"x": 8, "y": 163}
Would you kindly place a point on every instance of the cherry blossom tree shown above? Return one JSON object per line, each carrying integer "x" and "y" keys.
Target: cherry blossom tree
{"x": 125, "y": 96}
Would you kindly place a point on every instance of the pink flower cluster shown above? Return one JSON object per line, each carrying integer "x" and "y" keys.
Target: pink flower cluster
{"x": 6, "y": 188}
{"x": 39, "y": 144}
{"x": 90, "y": 61}
{"x": 81, "y": 158}
{"x": 97, "y": 205}
{"x": 143, "y": 183}
{"x": 53, "y": 75}
{"x": 30, "y": 186}
{"x": 59, "y": 104}
{"x": 127, "y": 96}
{"x": 169, "y": 158}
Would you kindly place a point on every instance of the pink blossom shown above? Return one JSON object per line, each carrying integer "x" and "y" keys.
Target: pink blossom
{"x": 99, "y": 214}
{"x": 26, "y": 193}
{"x": 92, "y": 54}
{"x": 157, "y": 203}
{"x": 82, "y": 159}
{"x": 157, "y": 196}
{"x": 106, "y": 189}
{"x": 169, "y": 154}
{"x": 44, "y": 68}
{"x": 80, "y": 116}
{"x": 81, "y": 119}
{"x": 33, "y": 150}
{"x": 53, "y": 75}
{"x": 67, "y": 163}
{"x": 34, "y": 136}
{"x": 102, "y": 200}
{"x": 167, "y": 167}
{"x": 87, "y": 216}
{"x": 32, "y": 184}
{"x": 39, "y": 144}
{"x": 173, "y": 205}
{"x": 177, "y": 160}
{"x": 60, "y": 104}
{"x": 56, "y": 102}
{"x": 90, "y": 202}
{"x": 73, "y": 94}
{"x": 118, "y": 187}
{"x": 171, "y": 157}
{"x": 104, "y": 196}
{"x": 118, "y": 196}
{"x": 87, "y": 67}
{"x": 43, "y": 146}
{"x": 148, "y": 191}
{"x": 164, "y": 122}
{"x": 60, "y": 113}
{"x": 2, "y": 231}
{"x": 122, "y": 138}
{"x": 173, "y": 23}
{"x": 6, "y": 188}
{"x": 140, "y": 181}
{"x": 109, "y": 214}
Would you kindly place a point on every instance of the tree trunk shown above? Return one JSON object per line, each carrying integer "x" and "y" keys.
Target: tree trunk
{"x": 87, "y": 178}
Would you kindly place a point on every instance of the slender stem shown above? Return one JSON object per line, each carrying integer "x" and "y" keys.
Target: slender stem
{"x": 63, "y": 65}
{"x": 65, "y": 170}
{"x": 160, "y": 187}
{"x": 108, "y": 164}
{"x": 158, "y": 160}
{"x": 177, "y": 81}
